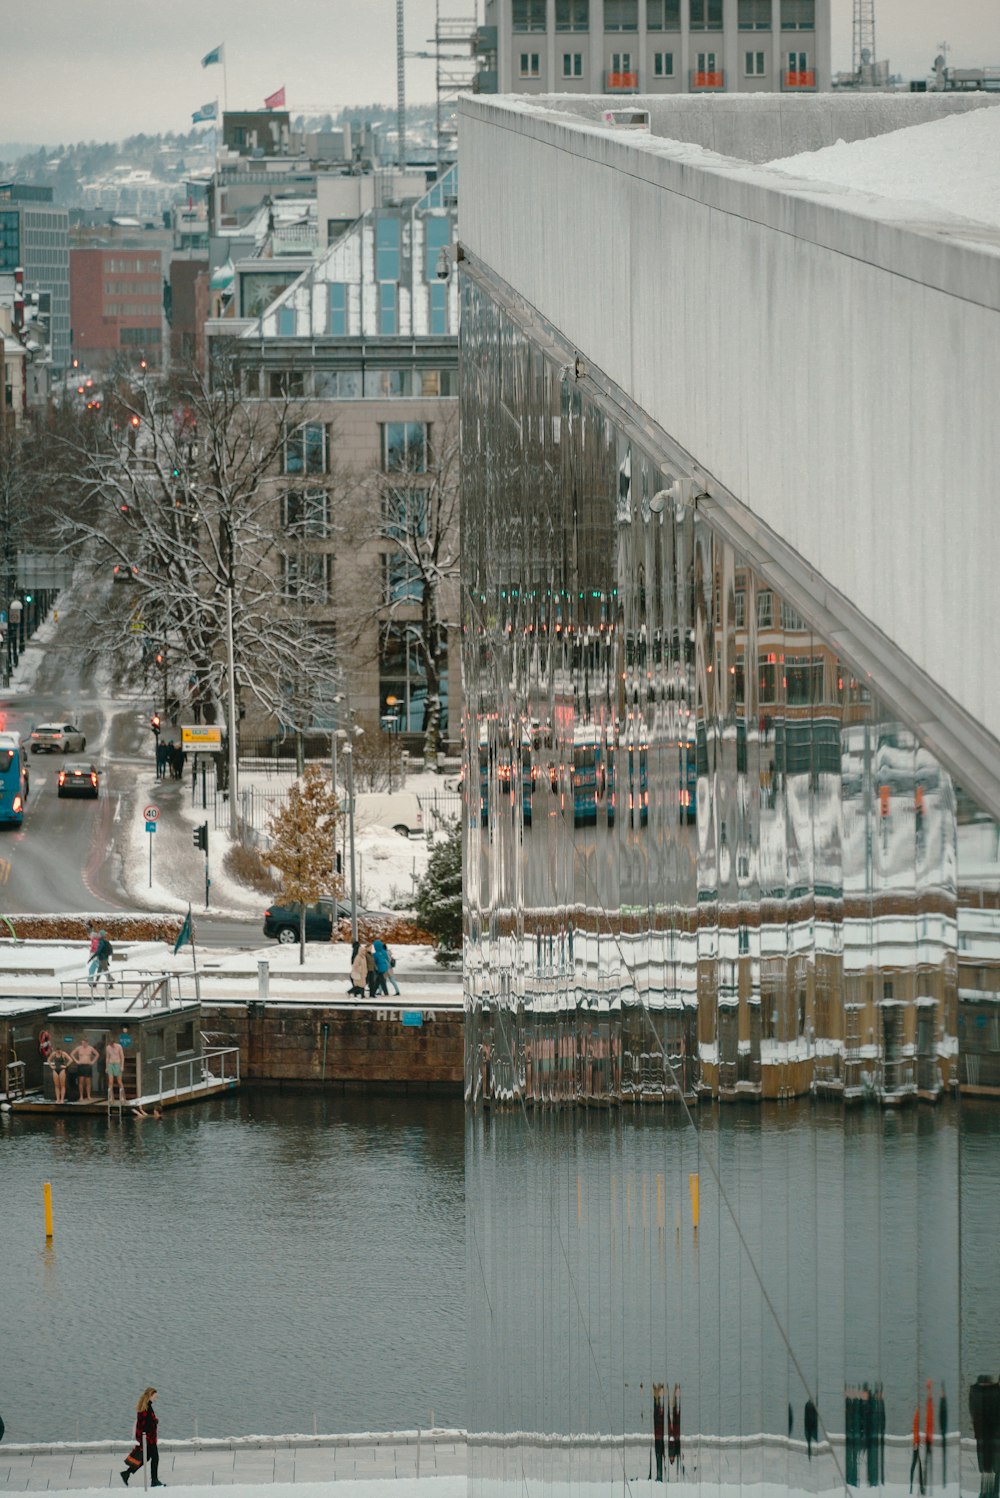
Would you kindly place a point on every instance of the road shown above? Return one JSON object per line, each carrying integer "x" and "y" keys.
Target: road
{"x": 66, "y": 857}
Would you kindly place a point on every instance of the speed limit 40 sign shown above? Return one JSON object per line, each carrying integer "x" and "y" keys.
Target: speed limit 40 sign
{"x": 151, "y": 813}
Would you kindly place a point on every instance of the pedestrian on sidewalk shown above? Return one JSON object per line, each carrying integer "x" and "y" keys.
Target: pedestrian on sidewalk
{"x": 359, "y": 972}
{"x": 371, "y": 973}
{"x": 390, "y": 972}
{"x": 105, "y": 952}
{"x": 162, "y": 760}
{"x": 145, "y": 1448}
{"x": 92, "y": 958}
{"x": 381, "y": 954}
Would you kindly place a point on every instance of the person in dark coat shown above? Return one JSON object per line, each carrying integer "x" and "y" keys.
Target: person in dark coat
{"x": 984, "y": 1407}
{"x": 371, "y": 970}
{"x": 943, "y": 1432}
{"x": 658, "y": 1420}
{"x": 381, "y": 955}
{"x": 145, "y": 1448}
{"x": 810, "y": 1422}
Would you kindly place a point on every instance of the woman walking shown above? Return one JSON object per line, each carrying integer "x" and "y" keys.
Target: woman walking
{"x": 359, "y": 971}
{"x": 145, "y": 1436}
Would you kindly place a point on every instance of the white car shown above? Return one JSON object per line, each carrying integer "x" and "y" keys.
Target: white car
{"x": 57, "y": 738}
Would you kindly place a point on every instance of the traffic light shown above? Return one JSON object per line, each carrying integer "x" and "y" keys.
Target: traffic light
{"x": 154, "y": 724}
{"x": 27, "y": 598}
{"x": 159, "y": 658}
{"x": 200, "y": 837}
{"x": 135, "y": 421}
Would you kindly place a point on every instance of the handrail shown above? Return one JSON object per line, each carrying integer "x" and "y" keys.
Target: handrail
{"x": 147, "y": 990}
{"x": 206, "y": 1075}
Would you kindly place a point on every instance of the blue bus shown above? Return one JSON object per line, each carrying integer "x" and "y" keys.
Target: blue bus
{"x": 13, "y": 779}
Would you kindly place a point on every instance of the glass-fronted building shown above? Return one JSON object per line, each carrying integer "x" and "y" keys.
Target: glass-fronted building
{"x": 34, "y": 234}
{"x": 732, "y": 972}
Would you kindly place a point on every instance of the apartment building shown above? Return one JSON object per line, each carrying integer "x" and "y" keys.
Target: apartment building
{"x": 654, "y": 46}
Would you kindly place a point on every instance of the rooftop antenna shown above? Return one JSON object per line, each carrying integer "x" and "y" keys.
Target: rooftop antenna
{"x": 400, "y": 88}
{"x": 864, "y": 36}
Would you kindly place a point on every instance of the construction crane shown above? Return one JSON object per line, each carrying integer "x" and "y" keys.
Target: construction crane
{"x": 864, "y": 38}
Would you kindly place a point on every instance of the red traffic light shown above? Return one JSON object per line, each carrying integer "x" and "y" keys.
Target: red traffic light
{"x": 135, "y": 421}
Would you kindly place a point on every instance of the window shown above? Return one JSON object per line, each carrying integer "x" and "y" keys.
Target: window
{"x": 286, "y": 322}
{"x": 663, "y": 64}
{"x": 798, "y": 15}
{"x": 767, "y": 679}
{"x": 401, "y": 580}
{"x": 405, "y": 446}
{"x": 404, "y": 513}
{"x": 387, "y": 321}
{"x": 706, "y": 62}
{"x": 621, "y": 15}
{"x": 621, "y": 62}
{"x": 307, "y": 577}
{"x": 798, "y": 62}
{"x": 338, "y": 309}
{"x": 754, "y": 15}
{"x": 337, "y": 384}
{"x": 439, "y": 309}
{"x": 437, "y": 237}
{"x": 765, "y": 609}
{"x": 803, "y": 679}
{"x": 753, "y": 65}
{"x": 284, "y": 383}
{"x": 403, "y": 682}
{"x": 335, "y": 227}
{"x": 529, "y": 65}
{"x": 305, "y": 448}
{"x": 739, "y": 608}
{"x": 306, "y": 513}
{"x": 706, "y": 15}
{"x": 387, "y": 231}
{"x": 572, "y": 64}
{"x": 385, "y": 384}
{"x": 572, "y": 15}
{"x": 528, "y": 15}
{"x": 663, "y": 15}
{"x": 792, "y": 621}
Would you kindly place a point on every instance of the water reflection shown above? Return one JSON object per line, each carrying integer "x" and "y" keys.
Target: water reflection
{"x": 705, "y": 861}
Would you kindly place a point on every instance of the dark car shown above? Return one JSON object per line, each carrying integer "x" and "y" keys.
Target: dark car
{"x": 282, "y": 921}
{"x": 79, "y": 780}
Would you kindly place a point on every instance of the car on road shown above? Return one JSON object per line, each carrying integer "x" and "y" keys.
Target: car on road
{"x": 282, "y": 921}
{"x": 79, "y": 780}
{"x": 57, "y": 738}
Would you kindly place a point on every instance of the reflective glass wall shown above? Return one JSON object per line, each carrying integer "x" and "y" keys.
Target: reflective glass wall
{"x": 732, "y": 984}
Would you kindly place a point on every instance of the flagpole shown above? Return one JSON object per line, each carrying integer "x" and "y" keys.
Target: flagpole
{"x": 194, "y": 958}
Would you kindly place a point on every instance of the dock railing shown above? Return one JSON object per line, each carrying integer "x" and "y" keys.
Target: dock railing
{"x": 143, "y": 990}
{"x": 206, "y": 1069}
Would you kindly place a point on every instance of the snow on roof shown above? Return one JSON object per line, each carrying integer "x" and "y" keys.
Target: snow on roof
{"x": 951, "y": 164}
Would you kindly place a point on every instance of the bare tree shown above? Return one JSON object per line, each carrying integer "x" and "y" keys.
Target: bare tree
{"x": 410, "y": 510}
{"x": 175, "y": 488}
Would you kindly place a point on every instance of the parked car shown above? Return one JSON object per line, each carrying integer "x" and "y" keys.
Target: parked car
{"x": 400, "y": 810}
{"x": 282, "y": 921}
{"x": 57, "y": 738}
{"x": 79, "y": 780}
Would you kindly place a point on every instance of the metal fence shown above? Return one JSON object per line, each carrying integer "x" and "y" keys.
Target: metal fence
{"x": 257, "y": 804}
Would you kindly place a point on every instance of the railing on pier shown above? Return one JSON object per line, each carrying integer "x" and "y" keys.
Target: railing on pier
{"x": 144, "y": 990}
{"x": 208, "y": 1069}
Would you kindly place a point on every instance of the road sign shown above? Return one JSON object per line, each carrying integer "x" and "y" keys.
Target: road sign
{"x": 201, "y": 738}
{"x": 150, "y": 826}
{"x": 151, "y": 813}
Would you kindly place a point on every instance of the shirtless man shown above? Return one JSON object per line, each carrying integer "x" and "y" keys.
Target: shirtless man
{"x": 59, "y": 1060}
{"x": 84, "y": 1054}
{"x": 114, "y": 1065}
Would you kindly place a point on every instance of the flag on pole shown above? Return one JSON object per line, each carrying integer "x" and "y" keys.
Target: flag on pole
{"x": 277, "y": 100}
{"x": 217, "y": 54}
{"x": 206, "y": 112}
{"x": 186, "y": 933}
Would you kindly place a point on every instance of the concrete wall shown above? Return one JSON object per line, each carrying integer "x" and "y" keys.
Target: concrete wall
{"x": 832, "y": 361}
{"x": 757, "y": 129}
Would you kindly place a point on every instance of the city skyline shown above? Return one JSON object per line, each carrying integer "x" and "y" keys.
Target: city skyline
{"x": 111, "y": 58}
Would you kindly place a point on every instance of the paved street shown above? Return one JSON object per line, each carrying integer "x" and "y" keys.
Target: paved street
{"x": 255, "y": 1460}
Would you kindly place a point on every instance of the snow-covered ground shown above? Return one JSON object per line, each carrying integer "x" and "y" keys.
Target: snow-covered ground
{"x": 951, "y": 164}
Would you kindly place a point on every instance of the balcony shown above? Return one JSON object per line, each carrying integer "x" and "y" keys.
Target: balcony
{"x": 622, "y": 83}
{"x": 706, "y": 80}
{"x": 803, "y": 79}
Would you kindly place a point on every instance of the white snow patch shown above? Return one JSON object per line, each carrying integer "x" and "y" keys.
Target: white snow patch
{"x": 951, "y": 164}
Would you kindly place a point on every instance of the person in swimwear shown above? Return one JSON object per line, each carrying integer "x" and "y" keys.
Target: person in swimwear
{"x": 114, "y": 1065}
{"x": 59, "y": 1060}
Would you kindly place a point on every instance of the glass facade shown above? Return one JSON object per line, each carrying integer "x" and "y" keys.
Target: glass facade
{"x": 706, "y": 865}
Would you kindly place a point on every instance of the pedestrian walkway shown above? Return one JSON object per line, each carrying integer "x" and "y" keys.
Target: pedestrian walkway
{"x": 437, "y": 1458}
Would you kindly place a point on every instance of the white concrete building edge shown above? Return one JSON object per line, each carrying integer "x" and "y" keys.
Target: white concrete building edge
{"x": 830, "y": 359}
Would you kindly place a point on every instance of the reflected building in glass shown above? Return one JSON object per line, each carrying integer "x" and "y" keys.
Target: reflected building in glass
{"x": 725, "y": 845}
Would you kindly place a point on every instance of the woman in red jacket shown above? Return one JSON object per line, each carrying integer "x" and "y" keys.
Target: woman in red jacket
{"x": 145, "y": 1434}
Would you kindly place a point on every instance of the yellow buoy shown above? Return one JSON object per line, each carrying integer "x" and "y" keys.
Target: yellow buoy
{"x": 693, "y": 1188}
{"x": 47, "y": 1198}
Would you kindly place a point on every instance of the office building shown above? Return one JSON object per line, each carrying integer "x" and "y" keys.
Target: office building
{"x": 624, "y": 47}
{"x": 116, "y": 301}
{"x": 34, "y": 234}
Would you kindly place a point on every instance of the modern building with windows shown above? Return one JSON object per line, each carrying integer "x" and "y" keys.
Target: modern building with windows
{"x": 654, "y": 46}
{"x": 34, "y": 234}
{"x": 732, "y": 809}
{"x": 359, "y": 357}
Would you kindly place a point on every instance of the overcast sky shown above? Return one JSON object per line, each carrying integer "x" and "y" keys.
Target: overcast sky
{"x": 104, "y": 69}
